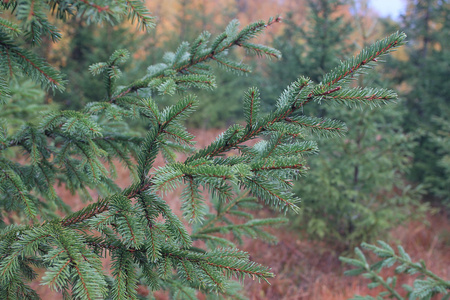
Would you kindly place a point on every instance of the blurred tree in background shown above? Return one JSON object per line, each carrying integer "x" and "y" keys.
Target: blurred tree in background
{"x": 355, "y": 190}
{"x": 425, "y": 75}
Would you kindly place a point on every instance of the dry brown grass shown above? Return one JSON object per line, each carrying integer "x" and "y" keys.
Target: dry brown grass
{"x": 306, "y": 270}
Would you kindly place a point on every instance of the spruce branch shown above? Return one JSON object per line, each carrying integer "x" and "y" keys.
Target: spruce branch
{"x": 319, "y": 126}
{"x": 222, "y": 210}
{"x": 230, "y": 65}
{"x": 137, "y": 11}
{"x": 86, "y": 213}
{"x": 297, "y": 95}
{"x": 13, "y": 182}
{"x": 97, "y": 7}
{"x": 247, "y": 225}
{"x": 31, "y": 64}
{"x": 124, "y": 272}
{"x": 102, "y": 205}
{"x": 10, "y": 27}
{"x": 271, "y": 195}
{"x": 5, "y": 92}
{"x": 358, "y": 96}
{"x": 385, "y": 251}
{"x": 363, "y": 60}
{"x": 199, "y": 44}
{"x": 224, "y": 42}
{"x": 193, "y": 204}
{"x": 227, "y": 262}
{"x": 251, "y": 106}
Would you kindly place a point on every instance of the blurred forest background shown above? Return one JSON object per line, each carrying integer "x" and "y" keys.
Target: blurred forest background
{"x": 388, "y": 178}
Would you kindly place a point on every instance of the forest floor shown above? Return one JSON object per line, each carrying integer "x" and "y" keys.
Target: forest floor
{"x": 305, "y": 269}
{"x": 308, "y": 270}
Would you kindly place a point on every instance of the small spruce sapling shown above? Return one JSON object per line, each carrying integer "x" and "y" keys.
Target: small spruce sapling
{"x": 426, "y": 285}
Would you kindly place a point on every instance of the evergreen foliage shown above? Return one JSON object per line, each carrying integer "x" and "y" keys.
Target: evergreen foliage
{"x": 441, "y": 139}
{"x": 88, "y": 44}
{"x": 32, "y": 25}
{"x": 220, "y": 114}
{"x": 147, "y": 242}
{"x": 426, "y": 285}
{"x": 25, "y": 104}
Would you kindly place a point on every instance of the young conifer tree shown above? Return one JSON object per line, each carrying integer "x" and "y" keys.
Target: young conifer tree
{"x": 427, "y": 103}
{"x": 147, "y": 242}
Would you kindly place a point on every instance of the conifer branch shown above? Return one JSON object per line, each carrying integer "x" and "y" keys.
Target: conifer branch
{"x": 30, "y": 63}
{"x": 318, "y": 125}
{"x": 268, "y": 168}
{"x": 138, "y": 11}
{"x": 251, "y": 106}
{"x": 102, "y": 205}
{"x": 10, "y": 27}
{"x": 19, "y": 190}
{"x": 239, "y": 267}
{"x": 364, "y": 59}
{"x": 99, "y": 8}
{"x": 86, "y": 213}
{"x": 353, "y": 97}
{"x": 249, "y": 224}
{"x": 271, "y": 194}
{"x": 222, "y": 212}
{"x": 231, "y": 65}
{"x": 213, "y": 53}
{"x": 297, "y": 96}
